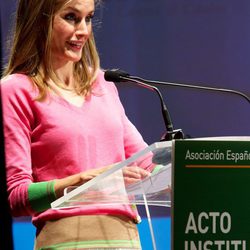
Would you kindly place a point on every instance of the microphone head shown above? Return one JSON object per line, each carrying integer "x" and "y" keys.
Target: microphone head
{"x": 114, "y": 75}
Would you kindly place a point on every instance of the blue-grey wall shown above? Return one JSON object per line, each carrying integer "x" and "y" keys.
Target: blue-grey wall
{"x": 197, "y": 42}
{"x": 200, "y": 42}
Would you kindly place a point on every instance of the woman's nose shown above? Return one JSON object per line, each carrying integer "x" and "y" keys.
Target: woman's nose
{"x": 83, "y": 28}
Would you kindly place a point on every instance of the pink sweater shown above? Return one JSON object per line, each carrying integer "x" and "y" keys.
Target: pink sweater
{"x": 54, "y": 139}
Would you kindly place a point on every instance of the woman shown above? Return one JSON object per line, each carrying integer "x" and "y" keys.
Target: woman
{"x": 63, "y": 126}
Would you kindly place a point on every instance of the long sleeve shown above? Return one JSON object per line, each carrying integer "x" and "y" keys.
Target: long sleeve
{"x": 19, "y": 121}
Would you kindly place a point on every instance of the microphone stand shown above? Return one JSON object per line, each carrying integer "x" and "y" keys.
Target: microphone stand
{"x": 117, "y": 75}
{"x": 170, "y": 132}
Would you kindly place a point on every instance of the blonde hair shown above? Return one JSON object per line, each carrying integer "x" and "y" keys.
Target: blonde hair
{"x": 31, "y": 53}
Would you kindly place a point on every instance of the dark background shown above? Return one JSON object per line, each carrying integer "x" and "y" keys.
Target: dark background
{"x": 6, "y": 239}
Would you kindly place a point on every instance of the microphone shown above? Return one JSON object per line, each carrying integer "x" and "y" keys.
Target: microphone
{"x": 116, "y": 75}
{"x": 121, "y": 76}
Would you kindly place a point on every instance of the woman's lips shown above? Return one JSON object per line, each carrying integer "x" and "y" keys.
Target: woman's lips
{"x": 75, "y": 45}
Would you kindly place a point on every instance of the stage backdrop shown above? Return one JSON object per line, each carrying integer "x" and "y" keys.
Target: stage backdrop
{"x": 195, "y": 42}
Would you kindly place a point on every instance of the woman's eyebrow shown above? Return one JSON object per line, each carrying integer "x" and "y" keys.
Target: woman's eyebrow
{"x": 69, "y": 8}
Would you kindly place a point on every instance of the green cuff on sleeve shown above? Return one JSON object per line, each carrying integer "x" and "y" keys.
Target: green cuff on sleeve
{"x": 41, "y": 195}
{"x": 157, "y": 168}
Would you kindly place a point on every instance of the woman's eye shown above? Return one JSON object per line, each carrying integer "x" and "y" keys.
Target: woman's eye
{"x": 89, "y": 18}
{"x": 70, "y": 17}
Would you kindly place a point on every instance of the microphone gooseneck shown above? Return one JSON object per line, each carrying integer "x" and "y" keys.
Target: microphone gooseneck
{"x": 165, "y": 113}
{"x": 121, "y": 76}
{"x": 183, "y": 85}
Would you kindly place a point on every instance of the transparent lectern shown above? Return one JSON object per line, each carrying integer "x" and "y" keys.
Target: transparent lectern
{"x": 110, "y": 187}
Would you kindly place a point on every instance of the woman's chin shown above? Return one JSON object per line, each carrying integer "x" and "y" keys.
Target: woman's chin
{"x": 73, "y": 57}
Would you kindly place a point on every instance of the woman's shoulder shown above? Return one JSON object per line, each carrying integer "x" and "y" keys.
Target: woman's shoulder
{"x": 15, "y": 83}
{"x": 101, "y": 83}
{"x": 15, "y": 79}
{"x": 100, "y": 76}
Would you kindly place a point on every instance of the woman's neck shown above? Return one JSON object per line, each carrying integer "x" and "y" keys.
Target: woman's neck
{"x": 65, "y": 75}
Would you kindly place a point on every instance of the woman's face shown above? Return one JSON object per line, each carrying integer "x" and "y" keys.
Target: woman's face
{"x": 72, "y": 27}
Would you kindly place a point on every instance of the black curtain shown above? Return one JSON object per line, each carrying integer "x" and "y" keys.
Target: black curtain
{"x": 6, "y": 240}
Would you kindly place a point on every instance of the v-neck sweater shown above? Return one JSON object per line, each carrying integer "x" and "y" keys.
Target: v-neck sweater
{"x": 52, "y": 139}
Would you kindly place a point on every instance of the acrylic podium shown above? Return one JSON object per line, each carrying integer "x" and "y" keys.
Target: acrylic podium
{"x": 109, "y": 188}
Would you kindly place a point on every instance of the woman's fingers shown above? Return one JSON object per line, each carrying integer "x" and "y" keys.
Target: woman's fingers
{"x": 133, "y": 174}
{"x": 92, "y": 173}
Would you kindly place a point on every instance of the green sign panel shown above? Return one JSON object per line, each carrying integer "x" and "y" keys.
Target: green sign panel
{"x": 211, "y": 195}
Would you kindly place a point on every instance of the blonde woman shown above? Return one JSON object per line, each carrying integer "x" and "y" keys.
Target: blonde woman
{"x": 64, "y": 125}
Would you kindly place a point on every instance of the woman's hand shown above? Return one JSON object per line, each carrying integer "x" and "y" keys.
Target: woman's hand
{"x": 92, "y": 173}
{"x": 131, "y": 175}
{"x": 134, "y": 174}
{"x": 77, "y": 179}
